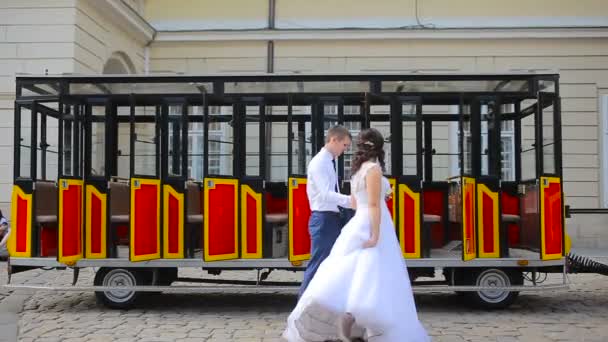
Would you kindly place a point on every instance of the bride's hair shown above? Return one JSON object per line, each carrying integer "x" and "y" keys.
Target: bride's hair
{"x": 370, "y": 145}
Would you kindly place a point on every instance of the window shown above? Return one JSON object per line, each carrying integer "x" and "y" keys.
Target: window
{"x": 196, "y": 145}
{"x": 219, "y": 160}
{"x": 354, "y": 127}
{"x": 220, "y": 143}
{"x": 507, "y": 153}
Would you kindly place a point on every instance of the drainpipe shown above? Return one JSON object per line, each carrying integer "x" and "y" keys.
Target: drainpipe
{"x": 270, "y": 70}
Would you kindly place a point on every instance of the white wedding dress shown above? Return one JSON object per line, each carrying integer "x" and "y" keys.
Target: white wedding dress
{"x": 372, "y": 284}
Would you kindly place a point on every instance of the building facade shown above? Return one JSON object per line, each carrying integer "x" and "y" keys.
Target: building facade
{"x": 338, "y": 36}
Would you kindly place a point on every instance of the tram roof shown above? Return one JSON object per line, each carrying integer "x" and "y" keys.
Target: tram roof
{"x": 339, "y": 84}
{"x": 290, "y": 75}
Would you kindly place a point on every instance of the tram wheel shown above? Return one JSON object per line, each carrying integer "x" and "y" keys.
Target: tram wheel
{"x": 117, "y": 299}
{"x": 494, "y": 277}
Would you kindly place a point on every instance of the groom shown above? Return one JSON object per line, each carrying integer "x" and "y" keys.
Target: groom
{"x": 324, "y": 198}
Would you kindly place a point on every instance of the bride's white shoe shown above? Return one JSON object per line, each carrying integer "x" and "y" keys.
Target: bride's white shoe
{"x": 345, "y": 326}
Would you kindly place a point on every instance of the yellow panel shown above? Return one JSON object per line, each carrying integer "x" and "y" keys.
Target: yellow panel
{"x": 483, "y": 189}
{"x": 468, "y": 247}
{"x": 393, "y": 183}
{"x": 19, "y": 194}
{"x": 90, "y": 192}
{"x": 168, "y": 191}
{"x": 246, "y": 190}
{"x": 405, "y": 190}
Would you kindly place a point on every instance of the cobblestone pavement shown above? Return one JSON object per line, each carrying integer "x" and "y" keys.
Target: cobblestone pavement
{"x": 576, "y": 314}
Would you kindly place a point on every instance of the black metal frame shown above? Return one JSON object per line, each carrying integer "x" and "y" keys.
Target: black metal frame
{"x": 61, "y": 92}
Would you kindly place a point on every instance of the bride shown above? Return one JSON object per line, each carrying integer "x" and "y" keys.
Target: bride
{"x": 362, "y": 289}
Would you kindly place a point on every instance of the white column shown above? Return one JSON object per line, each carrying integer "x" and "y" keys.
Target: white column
{"x": 604, "y": 148}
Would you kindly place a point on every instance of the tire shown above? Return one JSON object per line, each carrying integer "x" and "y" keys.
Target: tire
{"x": 494, "y": 299}
{"x": 117, "y": 299}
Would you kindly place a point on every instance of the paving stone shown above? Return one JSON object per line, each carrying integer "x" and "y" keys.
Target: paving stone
{"x": 577, "y": 313}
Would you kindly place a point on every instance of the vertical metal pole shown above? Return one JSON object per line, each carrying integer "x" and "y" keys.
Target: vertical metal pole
{"x": 538, "y": 138}
{"x": 517, "y": 137}
{"x": 33, "y": 140}
{"x": 17, "y": 143}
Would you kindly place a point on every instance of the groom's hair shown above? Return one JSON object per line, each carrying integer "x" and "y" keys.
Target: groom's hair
{"x": 338, "y": 132}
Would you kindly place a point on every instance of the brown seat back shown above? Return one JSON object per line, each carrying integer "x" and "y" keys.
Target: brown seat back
{"x": 120, "y": 195}
{"x": 193, "y": 198}
{"x": 45, "y": 198}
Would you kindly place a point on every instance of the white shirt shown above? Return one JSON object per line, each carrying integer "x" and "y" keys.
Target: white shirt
{"x": 321, "y": 184}
{"x": 4, "y": 239}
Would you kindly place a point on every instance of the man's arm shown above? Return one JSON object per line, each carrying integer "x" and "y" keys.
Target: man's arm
{"x": 326, "y": 192}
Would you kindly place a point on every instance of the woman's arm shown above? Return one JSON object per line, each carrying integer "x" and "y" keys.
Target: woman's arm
{"x": 373, "y": 181}
{"x": 5, "y": 236}
{"x": 353, "y": 202}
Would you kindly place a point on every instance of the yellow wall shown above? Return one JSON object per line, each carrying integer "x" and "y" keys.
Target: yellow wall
{"x": 514, "y": 8}
{"x": 207, "y": 14}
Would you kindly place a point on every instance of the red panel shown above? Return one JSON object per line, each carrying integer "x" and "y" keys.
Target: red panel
{"x": 510, "y": 205}
{"x": 95, "y": 224}
{"x": 553, "y": 219}
{"x": 276, "y": 205}
{"x": 221, "y": 219}
{"x": 72, "y": 220}
{"x": 434, "y": 202}
{"x": 122, "y": 234}
{"x": 409, "y": 226}
{"x": 146, "y": 219}
{"x": 488, "y": 224}
{"x": 48, "y": 241}
{"x": 23, "y": 212}
{"x": 301, "y": 208}
{"x": 173, "y": 212}
{"x": 252, "y": 222}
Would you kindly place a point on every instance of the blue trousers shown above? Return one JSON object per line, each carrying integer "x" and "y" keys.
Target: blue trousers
{"x": 324, "y": 228}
